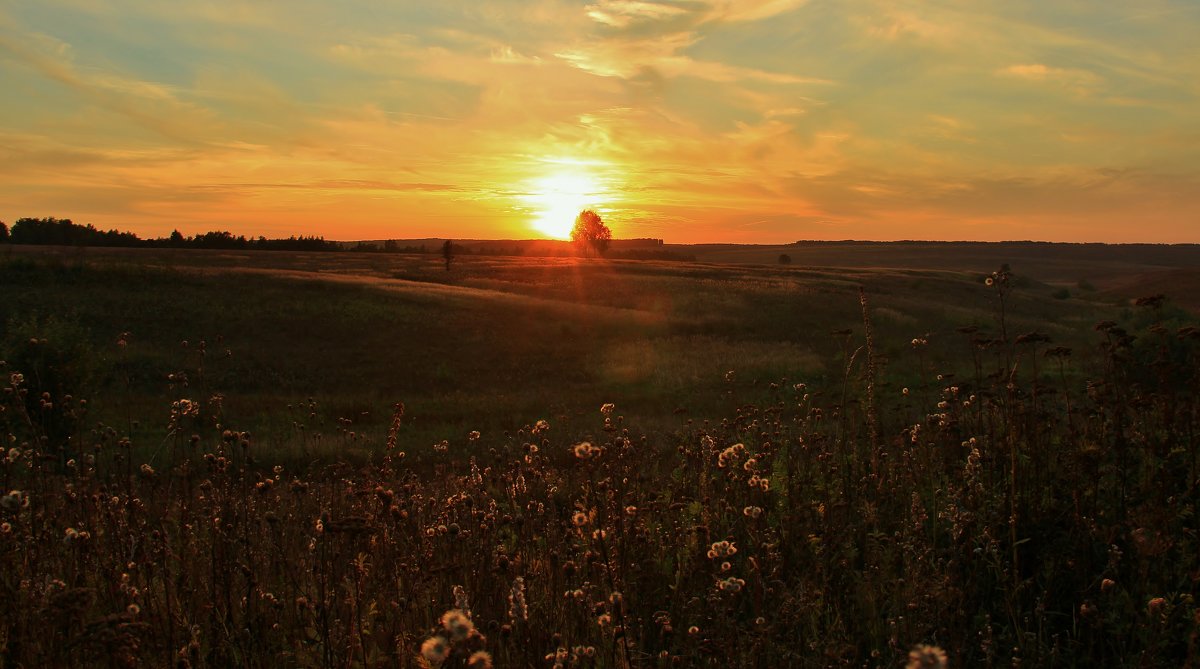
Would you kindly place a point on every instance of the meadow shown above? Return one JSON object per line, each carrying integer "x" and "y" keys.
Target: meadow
{"x": 363, "y": 460}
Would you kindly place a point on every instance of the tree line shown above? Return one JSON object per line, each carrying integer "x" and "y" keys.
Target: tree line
{"x": 589, "y": 236}
{"x": 65, "y": 232}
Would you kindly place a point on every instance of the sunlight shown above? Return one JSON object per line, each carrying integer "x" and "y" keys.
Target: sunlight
{"x": 557, "y": 199}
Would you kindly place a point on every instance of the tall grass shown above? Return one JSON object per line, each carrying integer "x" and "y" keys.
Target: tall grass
{"x": 1036, "y": 507}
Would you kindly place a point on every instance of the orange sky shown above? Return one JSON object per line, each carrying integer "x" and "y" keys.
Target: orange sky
{"x": 756, "y": 121}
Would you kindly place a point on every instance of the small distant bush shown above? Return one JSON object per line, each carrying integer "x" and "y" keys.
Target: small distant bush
{"x": 785, "y": 259}
{"x": 1061, "y": 294}
{"x": 1084, "y": 284}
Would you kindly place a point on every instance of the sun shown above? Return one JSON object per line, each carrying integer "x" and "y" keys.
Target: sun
{"x": 557, "y": 199}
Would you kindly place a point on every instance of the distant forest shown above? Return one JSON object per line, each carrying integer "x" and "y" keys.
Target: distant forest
{"x": 65, "y": 232}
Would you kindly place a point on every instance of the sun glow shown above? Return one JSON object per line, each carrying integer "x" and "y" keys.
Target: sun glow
{"x": 557, "y": 199}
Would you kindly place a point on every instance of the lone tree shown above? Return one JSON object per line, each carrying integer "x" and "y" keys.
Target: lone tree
{"x": 448, "y": 253}
{"x": 590, "y": 231}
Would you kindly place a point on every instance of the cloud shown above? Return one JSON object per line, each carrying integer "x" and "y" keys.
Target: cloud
{"x": 1040, "y": 72}
{"x": 736, "y": 11}
{"x": 624, "y": 13}
{"x": 150, "y": 105}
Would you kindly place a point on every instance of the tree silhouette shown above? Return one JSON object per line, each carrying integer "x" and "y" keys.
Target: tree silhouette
{"x": 3, "y": 232}
{"x": 591, "y": 232}
{"x": 448, "y": 253}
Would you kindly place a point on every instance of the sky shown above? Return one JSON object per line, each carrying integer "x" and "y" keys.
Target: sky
{"x": 693, "y": 121}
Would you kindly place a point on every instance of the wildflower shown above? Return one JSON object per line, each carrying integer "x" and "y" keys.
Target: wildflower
{"x": 1107, "y": 584}
{"x": 1156, "y": 605}
{"x": 133, "y": 609}
{"x": 435, "y": 650}
{"x": 579, "y": 519}
{"x": 473, "y": 435}
{"x": 5, "y": 528}
{"x": 15, "y": 499}
{"x": 631, "y": 510}
{"x": 585, "y": 450}
{"x": 457, "y": 624}
{"x": 460, "y": 599}
{"x": 517, "y": 609}
{"x": 693, "y": 630}
{"x": 607, "y": 409}
{"x": 731, "y": 584}
{"x": 752, "y": 511}
{"x": 480, "y": 659}
{"x": 729, "y": 455}
{"x": 926, "y": 657}
{"x": 722, "y": 549}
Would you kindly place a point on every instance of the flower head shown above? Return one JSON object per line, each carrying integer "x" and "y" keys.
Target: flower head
{"x": 457, "y": 624}
{"x": 926, "y": 657}
{"x": 435, "y": 650}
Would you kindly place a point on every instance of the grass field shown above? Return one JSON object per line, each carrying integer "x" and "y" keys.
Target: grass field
{"x": 806, "y": 465}
{"x": 495, "y": 343}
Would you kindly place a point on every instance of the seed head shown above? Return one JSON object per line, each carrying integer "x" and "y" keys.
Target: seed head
{"x": 926, "y": 657}
{"x": 457, "y": 624}
{"x": 480, "y": 659}
{"x": 435, "y": 650}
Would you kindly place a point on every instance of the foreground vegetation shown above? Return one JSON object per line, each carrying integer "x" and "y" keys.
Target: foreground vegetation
{"x": 986, "y": 491}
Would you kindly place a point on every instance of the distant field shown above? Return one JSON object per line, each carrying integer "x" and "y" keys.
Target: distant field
{"x": 497, "y": 342}
{"x": 1052, "y": 263}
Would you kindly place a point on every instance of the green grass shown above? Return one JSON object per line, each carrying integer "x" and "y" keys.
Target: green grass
{"x": 494, "y": 344}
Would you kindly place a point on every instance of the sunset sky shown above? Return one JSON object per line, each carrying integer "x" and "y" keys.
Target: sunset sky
{"x": 758, "y": 121}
